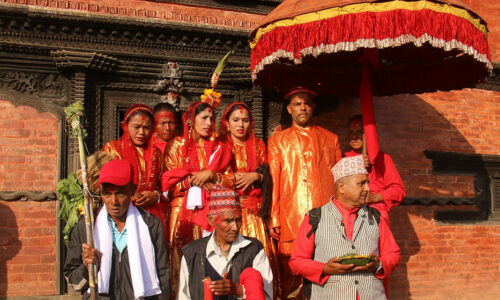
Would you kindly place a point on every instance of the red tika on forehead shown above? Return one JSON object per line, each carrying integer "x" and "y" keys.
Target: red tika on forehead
{"x": 164, "y": 114}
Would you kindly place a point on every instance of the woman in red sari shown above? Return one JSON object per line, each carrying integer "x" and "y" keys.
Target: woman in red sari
{"x": 195, "y": 160}
{"x": 249, "y": 164}
{"x": 136, "y": 146}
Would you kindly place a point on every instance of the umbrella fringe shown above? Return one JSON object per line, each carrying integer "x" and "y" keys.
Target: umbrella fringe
{"x": 387, "y": 29}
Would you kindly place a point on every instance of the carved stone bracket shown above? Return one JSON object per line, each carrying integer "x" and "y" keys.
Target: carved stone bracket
{"x": 49, "y": 88}
{"x": 65, "y": 59}
{"x": 171, "y": 83}
{"x": 28, "y": 195}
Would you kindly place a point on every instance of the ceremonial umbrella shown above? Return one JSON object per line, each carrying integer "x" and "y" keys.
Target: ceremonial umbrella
{"x": 364, "y": 48}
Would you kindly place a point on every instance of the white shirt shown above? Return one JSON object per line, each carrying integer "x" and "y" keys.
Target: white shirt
{"x": 222, "y": 265}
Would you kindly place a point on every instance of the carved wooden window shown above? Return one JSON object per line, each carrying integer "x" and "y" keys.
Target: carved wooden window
{"x": 486, "y": 172}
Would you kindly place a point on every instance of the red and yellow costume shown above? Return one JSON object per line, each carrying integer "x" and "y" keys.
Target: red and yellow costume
{"x": 247, "y": 157}
{"x": 185, "y": 156}
{"x": 300, "y": 161}
{"x": 147, "y": 162}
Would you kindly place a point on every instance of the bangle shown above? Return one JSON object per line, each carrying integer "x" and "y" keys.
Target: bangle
{"x": 261, "y": 177}
{"x": 219, "y": 178}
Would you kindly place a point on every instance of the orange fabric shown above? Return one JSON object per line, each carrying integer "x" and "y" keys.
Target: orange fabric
{"x": 178, "y": 236}
{"x": 252, "y": 224}
{"x": 300, "y": 161}
{"x": 175, "y": 243}
{"x": 240, "y": 155}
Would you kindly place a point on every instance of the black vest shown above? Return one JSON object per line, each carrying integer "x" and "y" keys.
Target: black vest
{"x": 196, "y": 259}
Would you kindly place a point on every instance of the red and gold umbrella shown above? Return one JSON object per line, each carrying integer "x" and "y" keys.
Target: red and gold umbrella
{"x": 363, "y": 47}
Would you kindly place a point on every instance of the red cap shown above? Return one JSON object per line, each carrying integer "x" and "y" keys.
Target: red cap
{"x": 299, "y": 89}
{"x": 117, "y": 171}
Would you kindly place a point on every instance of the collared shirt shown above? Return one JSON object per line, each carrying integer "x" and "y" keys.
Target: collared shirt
{"x": 302, "y": 262}
{"x": 348, "y": 217}
{"x": 221, "y": 264}
{"x": 119, "y": 238}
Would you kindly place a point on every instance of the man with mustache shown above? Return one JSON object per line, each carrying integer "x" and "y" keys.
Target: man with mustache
{"x": 237, "y": 266}
{"x": 300, "y": 161}
{"x": 345, "y": 225}
{"x": 129, "y": 252}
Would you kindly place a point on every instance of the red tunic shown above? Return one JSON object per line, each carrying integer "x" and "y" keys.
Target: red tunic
{"x": 302, "y": 262}
{"x": 384, "y": 179}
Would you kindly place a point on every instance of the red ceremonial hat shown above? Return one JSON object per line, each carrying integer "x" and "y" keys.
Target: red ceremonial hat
{"x": 117, "y": 171}
{"x": 299, "y": 89}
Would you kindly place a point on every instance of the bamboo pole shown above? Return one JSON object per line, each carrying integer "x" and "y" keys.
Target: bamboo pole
{"x": 74, "y": 113}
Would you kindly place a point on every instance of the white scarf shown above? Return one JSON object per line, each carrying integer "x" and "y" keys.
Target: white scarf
{"x": 195, "y": 195}
{"x": 141, "y": 253}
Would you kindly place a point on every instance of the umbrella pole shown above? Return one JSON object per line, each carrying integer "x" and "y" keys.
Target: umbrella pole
{"x": 366, "y": 98}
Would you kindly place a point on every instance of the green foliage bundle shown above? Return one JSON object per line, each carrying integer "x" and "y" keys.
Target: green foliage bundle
{"x": 70, "y": 194}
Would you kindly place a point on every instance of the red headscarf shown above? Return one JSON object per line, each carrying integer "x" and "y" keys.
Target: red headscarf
{"x": 225, "y": 136}
{"x": 129, "y": 151}
{"x": 192, "y": 164}
{"x": 189, "y": 153}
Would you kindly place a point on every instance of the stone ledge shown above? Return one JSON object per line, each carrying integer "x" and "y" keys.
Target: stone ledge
{"x": 28, "y": 195}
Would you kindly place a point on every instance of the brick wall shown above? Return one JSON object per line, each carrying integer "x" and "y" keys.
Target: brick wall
{"x": 464, "y": 121}
{"x": 28, "y": 149}
{"x": 443, "y": 261}
{"x": 438, "y": 261}
{"x": 151, "y": 9}
{"x": 28, "y": 162}
{"x": 489, "y": 10}
{"x": 28, "y": 251}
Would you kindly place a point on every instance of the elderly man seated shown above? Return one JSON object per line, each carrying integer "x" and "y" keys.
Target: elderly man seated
{"x": 237, "y": 266}
{"x": 345, "y": 225}
{"x": 130, "y": 246}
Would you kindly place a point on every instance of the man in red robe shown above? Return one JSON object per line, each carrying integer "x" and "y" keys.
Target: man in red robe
{"x": 386, "y": 187}
{"x": 300, "y": 162}
{"x": 342, "y": 226}
{"x": 166, "y": 125}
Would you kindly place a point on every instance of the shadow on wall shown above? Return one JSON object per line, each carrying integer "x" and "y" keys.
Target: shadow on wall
{"x": 407, "y": 125}
{"x": 9, "y": 244}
